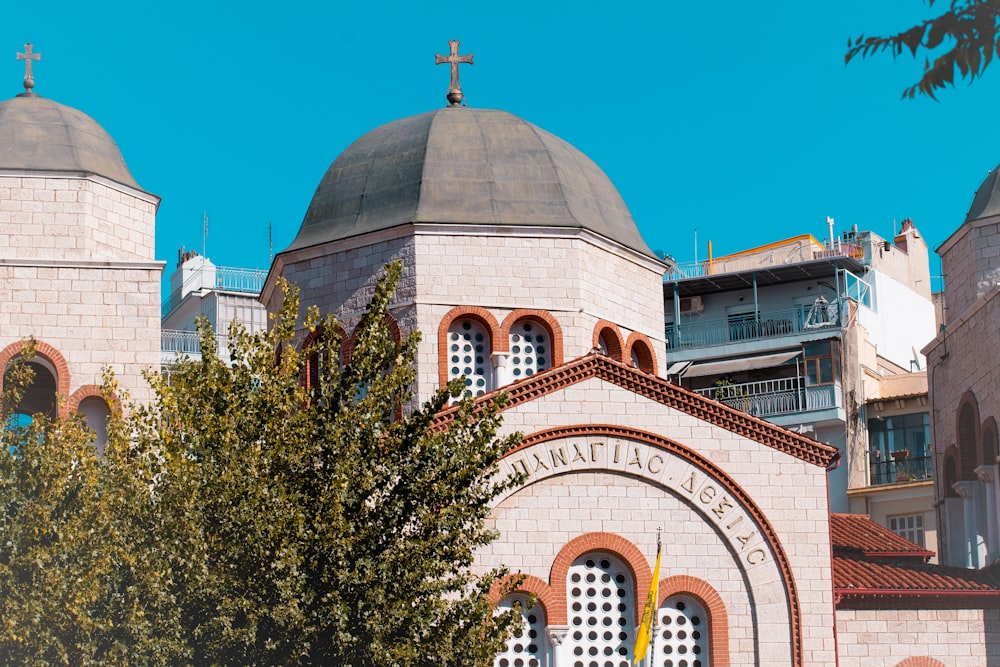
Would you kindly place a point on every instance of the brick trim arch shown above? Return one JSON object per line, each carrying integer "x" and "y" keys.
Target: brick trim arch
{"x": 543, "y": 318}
{"x": 767, "y": 531}
{"x": 529, "y": 584}
{"x": 920, "y": 661}
{"x": 610, "y": 543}
{"x": 718, "y": 618}
{"x": 309, "y": 371}
{"x": 90, "y": 391}
{"x": 498, "y": 343}
{"x": 647, "y": 360}
{"x": 949, "y": 464}
{"x": 50, "y": 354}
{"x": 613, "y": 338}
{"x": 967, "y": 436}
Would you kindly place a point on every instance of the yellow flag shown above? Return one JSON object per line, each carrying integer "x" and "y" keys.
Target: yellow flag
{"x": 649, "y": 612}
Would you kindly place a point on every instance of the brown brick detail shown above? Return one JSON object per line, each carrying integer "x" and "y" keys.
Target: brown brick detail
{"x": 616, "y": 545}
{"x": 612, "y": 336}
{"x": 50, "y": 354}
{"x": 731, "y": 486}
{"x": 659, "y": 390}
{"x": 718, "y": 618}
{"x": 949, "y": 472}
{"x": 530, "y": 585}
{"x": 498, "y": 343}
{"x": 967, "y": 436}
{"x": 644, "y": 350}
{"x": 920, "y": 661}
{"x": 543, "y": 318}
{"x": 86, "y": 391}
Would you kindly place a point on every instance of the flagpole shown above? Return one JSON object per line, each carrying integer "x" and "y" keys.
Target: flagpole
{"x": 656, "y": 609}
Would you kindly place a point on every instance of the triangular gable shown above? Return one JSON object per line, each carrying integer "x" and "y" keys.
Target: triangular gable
{"x": 657, "y": 389}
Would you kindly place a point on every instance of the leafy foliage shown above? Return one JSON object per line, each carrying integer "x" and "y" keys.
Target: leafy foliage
{"x": 968, "y": 32}
{"x": 242, "y": 518}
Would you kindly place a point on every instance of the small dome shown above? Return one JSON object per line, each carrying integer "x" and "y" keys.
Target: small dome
{"x": 987, "y": 200}
{"x": 37, "y": 134}
{"x": 464, "y": 166}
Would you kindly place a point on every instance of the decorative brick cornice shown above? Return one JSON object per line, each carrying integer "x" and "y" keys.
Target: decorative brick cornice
{"x": 498, "y": 343}
{"x": 50, "y": 354}
{"x": 715, "y": 608}
{"x": 663, "y": 392}
{"x": 612, "y": 338}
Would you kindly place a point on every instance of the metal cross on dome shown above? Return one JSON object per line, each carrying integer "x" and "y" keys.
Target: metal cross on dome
{"x": 455, "y": 94}
{"x": 27, "y": 57}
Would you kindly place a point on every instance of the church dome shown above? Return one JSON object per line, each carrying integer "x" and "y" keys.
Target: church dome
{"x": 986, "y": 202}
{"x": 37, "y": 134}
{"x": 464, "y": 166}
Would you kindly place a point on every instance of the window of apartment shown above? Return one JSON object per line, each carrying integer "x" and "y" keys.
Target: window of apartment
{"x": 909, "y": 433}
{"x": 822, "y": 363}
{"x": 909, "y": 526}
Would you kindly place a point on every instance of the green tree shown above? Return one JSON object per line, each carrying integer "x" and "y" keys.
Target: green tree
{"x": 964, "y": 38}
{"x": 255, "y": 521}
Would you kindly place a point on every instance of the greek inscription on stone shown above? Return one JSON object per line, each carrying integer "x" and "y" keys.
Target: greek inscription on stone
{"x": 635, "y": 460}
{"x": 578, "y": 455}
{"x": 539, "y": 463}
{"x": 658, "y": 460}
{"x": 558, "y": 457}
{"x": 593, "y": 450}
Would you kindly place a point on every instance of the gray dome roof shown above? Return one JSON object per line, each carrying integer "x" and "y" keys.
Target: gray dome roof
{"x": 464, "y": 166}
{"x": 37, "y": 134}
{"x": 987, "y": 200}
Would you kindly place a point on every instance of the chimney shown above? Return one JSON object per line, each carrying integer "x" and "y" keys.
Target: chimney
{"x": 904, "y": 233}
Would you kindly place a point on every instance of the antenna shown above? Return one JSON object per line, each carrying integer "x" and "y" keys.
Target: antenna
{"x": 204, "y": 234}
{"x": 270, "y": 241}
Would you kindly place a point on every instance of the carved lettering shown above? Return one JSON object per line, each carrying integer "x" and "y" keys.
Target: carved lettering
{"x": 520, "y": 466}
{"x": 746, "y": 538}
{"x": 593, "y": 450}
{"x": 659, "y": 460}
{"x": 755, "y": 557}
{"x": 707, "y": 494}
{"x": 735, "y": 522}
{"x": 558, "y": 457}
{"x": 578, "y": 455}
{"x": 635, "y": 460}
{"x": 724, "y": 505}
{"x": 539, "y": 463}
{"x": 688, "y": 484}
{"x": 618, "y": 447}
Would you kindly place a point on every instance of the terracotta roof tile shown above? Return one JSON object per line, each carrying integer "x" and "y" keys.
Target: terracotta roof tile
{"x": 858, "y": 533}
{"x": 860, "y": 577}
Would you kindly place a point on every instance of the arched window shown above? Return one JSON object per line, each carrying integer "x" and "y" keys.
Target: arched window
{"x": 950, "y": 475}
{"x": 608, "y": 340}
{"x": 682, "y": 637}
{"x": 968, "y": 445}
{"x": 601, "y": 603}
{"x": 990, "y": 442}
{"x": 39, "y": 395}
{"x": 469, "y": 348}
{"x": 529, "y": 645}
{"x": 641, "y": 357}
{"x": 96, "y": 412}
{"x": 530, "y": 349}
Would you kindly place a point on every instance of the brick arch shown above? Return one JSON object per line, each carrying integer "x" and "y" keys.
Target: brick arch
{"x": 767, "y": 531}
{"x": 529, "y": 584}
{"x": 988, "y": 434}
{"x": 310, "y": 369}
{"x": 542, "y": 317}
{"x": 50, "y": 354}
{"x": 607, "y": 542}
{"x": 718, "y": 618}
{"x": 612, "y": 336}
{"x": 647, "y": 360}
{"x": 497, "y": 342}
{"x": 920, "y": 661}
{"x": 88, "y": 391}
{"x": 967, "y": 436}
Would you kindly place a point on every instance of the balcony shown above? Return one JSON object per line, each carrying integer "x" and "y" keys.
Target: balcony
{"x": 175, "y": 344}
{"x": 743, "y": 328}
{"x": 772, "y": 398}
{"x": 897, "y": 470}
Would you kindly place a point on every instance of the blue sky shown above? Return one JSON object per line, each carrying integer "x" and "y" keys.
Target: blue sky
{"x": 735, "y": 119}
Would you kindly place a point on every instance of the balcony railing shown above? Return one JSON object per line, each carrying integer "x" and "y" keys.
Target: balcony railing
{"x": 770, "y": 398}
{"x": 747, "y": 327}
{"x": 175, "y": 343}
{"x": 757, "y": 261}
{"x": 897, "y": 471}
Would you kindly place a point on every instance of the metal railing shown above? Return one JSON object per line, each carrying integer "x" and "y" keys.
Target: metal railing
{"x": 899, "y": 470}
{"x": 228, "y": 278}
{"x": 769, "y": 398}
{"x": 188, "y": 343}
{"x": 760, "y": 261}
{"x": 747, "y": 327}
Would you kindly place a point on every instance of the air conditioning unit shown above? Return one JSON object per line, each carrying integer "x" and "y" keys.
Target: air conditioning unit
{"x": 692, "y": 305}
